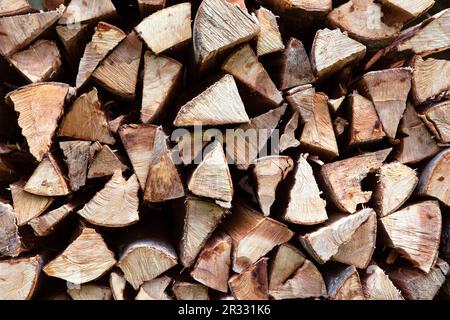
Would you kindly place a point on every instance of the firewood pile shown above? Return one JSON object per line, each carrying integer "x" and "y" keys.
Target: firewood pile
{"x": 225, "y": 149}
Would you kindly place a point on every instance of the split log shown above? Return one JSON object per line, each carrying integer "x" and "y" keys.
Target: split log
{"x": 301, "y": 100}
{"x": 365, "y": 125}
{"x": 79, "y": 11}
{"x": 269, "y": 38}
{"x": 405, "y": 11}
{"x": 76, "y": 155}
{"x": 10, "y": 243}
{"x": 86, "y": 120}
{"x": 15, "y": 7}
{"x": 388, "y": 90}
{"x": 154, "y": 289}
{"x": 343, "y": 178}
{"x": 105, "y": 164}
{"x": 252, "y": 283}
{"x": 343, "y": 283}
{"x": 416, "y": 142}
{"x": 288, "y": 138}
{"x": 434, "y": 178}
{"x": 26, "y": 205}
{"x": 332, "y": 51}
{"x": 285, "y": 262}
{"x": 200, "y": 220}
{"x": 253, "y": 235}
{"x": 123, "y": 60}
{"x": 146, "y": 7}
{"x": 39, "y": 106}
{"x": 437, "y": 119}
{"x": 73, "y": 39}
{"x": 430, "y": 79}
{"x": 116, "y": 205}
{"x": 162, "y": 76}
{"x": 87, "y": 258}
{"x": 213, "y": 263}
{"x": 268, "y": 172}
{"x": 396, "y": 183}
{"x": 218, "y": 105}
{"x": 115, "y": 124}
{"x": 117, "y": 283}
{"x": 18, "y": 32}
{"x": 190, "y": 291}
{"x": 41, "y": 62}
{"x": 104, "y": 40}
{"x": 243, "y": 64}
{"x": 47, "y": 179}
{"x": 414, "y": 232}
{"x": 46, "y": 224}
{"x": 90, "y": 292}
{"x": 218, "y": 27}
{"x": 19, "y": 277}
{"x": 377, "y": 285}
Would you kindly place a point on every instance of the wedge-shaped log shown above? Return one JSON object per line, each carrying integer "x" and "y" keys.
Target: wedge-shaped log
{"x": 15, "y": 7}
{"x": 105, "y": 163}
{"x": 437, "y": 119}
{"x": 269, "y": 38}
{"x": 377, "y": 285}
{"x": 76, "y": 155}
{"x": 10, "y": 243}
{"x": 252, "y": 283}
{"x": 79, "y": 11}
{"x": 46, "y": 224}
{"x": 154, "y": 289}
{"x": 190, "y": 291}
{"x": 343, "y": 283}
{"x": 90, "y": 292}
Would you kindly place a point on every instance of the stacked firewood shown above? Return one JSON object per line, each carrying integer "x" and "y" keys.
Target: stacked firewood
{"x": 225, "y": 149}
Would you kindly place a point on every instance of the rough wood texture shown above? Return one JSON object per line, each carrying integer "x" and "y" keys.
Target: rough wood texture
{"x": 90, "y": 292}
{"x": 10, "y": 244}
{"x": 117, "y": 283}
{"x": 408, "y": 10}
{"x": 46, "y": 224}
{"x": 74, "y": 39}
{"x": 437, "y": 119}
{"x": 377, "y": 285}
{"x": 105, "y": 163}
{"x": 76, "y": 155}
{"x": 190, "y": 291}
{"x": 154, "y": 289}
{"x": 269, "y": 38}
{"x": 14, "y": 7}
{"x": 301, "y": 100}
{"x": 286, "y": 260}
{"x": 343, "y": 283}
{"x": 288, "y": 139}
{"x": 252, "y": 283}
{"x": 79, "y": 11}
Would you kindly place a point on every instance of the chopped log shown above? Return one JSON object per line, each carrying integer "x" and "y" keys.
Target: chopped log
{"x": 288, "y": 138}
{"x": 90, "y": 292}
{"x": 15, "y": 7}
{"x": 212, "y": 176}
{"x": 218, "y": 105}
{"x": 434, "y": 178}
{"x": 268, "y": 172}
{"x": 285, "y": 262}
{"x": 416, "y": 285}
{"x": 86, "y": 120}
{"x": 39, "y": 63}
{"x": 154, "y": 289}
{"x": 79, "y": 11}
{"x": 252, "y": 283}
{"x": 19, "y": 277}
{"x": 45, "y": 224}
{"x": 406, "y": 11}
{"x": 213, "y": 263}
{"x": 335, "y": 104}
{"x": 342, "y": 179}
{"x": 340, "y": 125}
{"x": 115, "y": 124}
{"x": 377, "y": 285}
{"x": 416, "y": 142}
{"x": 325, "y": 242}
{"x": 26, "y": 205}
{"x": 87, "y": 258}
{"x": 414, "y": 232}
{"x": 301, "y": 100}
{"x": 39, "y": 106}
{"x": 200, "y": 220}
{"x": 218, "y": 27}
{"x": 116, "y": 205}
{"x": 243, "y": 64}
{"x": 343, "y": 283}
{"x": 253, "y": 235}
{"x": 430, "y": 79}
{"x": 162, "y": 76}
{"x": 388, "y": 90}
{"x": 190, "y": 291}
{"x": 396, "y": 183}
{"x": 74, "y": 39}
{"x": 104, "y": 40}
{"x": 305, "y": 206}
{"x": 269, "y": 38}
{"x": 146, "y": 7}
{"x": 117, "y": 283}
{"x": 365, "y": 125}
{"x": 166, "y": 28}
{"x": 332, "y": 51}
{"x": 105, "y": 164}
{"x": 18, "y": 32}
{"x": 76, "y": 155}
{"x": 10, "y": 243}
{"x": 47, "y": 179}
{"x": 437, "y": 119}
{"x": 362, "y": 20}
{"x": 123, "y": 60}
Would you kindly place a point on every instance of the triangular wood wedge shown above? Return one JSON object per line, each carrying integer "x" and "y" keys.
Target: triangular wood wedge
{"x": 212, "y": 176}
{"x": 117, "y": 283}
{"x": 87, "y": 258}
{"x": 104, "y": 40}
{"x": 288, "y": 139}
{"x": 213, "y": 263}
{"x": 87, "y": 120}
{"x": 26, "y": 205}
{"x": 47, "y": 179}
{"x": 10, "y": 243}
{"x": 415, "y": 233}
{"x": 286, "y": 260}
{"x": 396, "y": 183}
{"x": 252, "y": 283}
{"x": 105, "y": 163}
{"x": 377, "y": 285}
{"x": 80, "y": 11}
{"x": 18, "y": 32}
{"x": 201, "y": 219}
{"x": 39, "y": 106}
{"x": 219, "y": 26}
{"x": 190, "y": 291}
{"x": 91, "y": 292}
{"x": 116, "y": 205}
{"x": 301, "y": 100}
{"x": 335, "y": 104}
{"x": 48, "y": 222}
{"x": 123, "y": 60}
{"x": 343, "y": 283}
{"x": 343, "y": 178}
{"x": 74, "y": 39}
{"x": 269, "y": 38}
{"x": 15, "y": 7}
{"x": 437, "y": 119}
{"x": 408, "y": 10}
{"x": 333, "y": 50}
{"x": 154, "y": 289}
{"x": 76, "y": 155}
{"x": 389, "y": 91}
{"x": 217, "y": 105}
{"x": 166, "y": 28}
